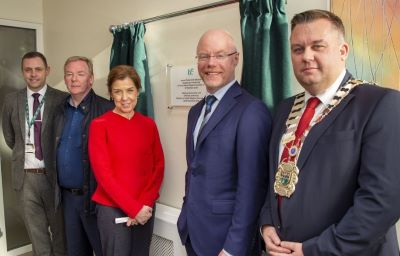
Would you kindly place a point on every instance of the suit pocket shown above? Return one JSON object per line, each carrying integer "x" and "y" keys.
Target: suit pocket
{"x": 339, "y": 136}
{"x": 17, "y": 154}
{"x": 223, "y": 206}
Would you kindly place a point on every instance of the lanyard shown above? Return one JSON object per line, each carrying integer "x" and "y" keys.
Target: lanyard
{"x": 32, "y": 121}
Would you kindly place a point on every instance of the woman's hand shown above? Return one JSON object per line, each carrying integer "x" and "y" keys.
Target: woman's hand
{"x": 144, "y": 214}
{"x": 131, "y": 222}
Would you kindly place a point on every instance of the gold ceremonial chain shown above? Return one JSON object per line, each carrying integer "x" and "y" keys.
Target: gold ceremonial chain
{"x": 286, "y": 176}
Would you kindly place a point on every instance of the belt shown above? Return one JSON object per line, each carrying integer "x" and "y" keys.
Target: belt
{"x": 36, "y": 170}
{"x": 74, "y": 191}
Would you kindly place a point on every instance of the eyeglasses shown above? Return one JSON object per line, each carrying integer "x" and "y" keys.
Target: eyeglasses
{"x": 218, "y": 57}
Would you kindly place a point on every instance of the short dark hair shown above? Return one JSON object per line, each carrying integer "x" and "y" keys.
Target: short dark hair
{"x": 121, "y": 72}
{"x": 312, "y": 15}
{"x": 34, "y": 54}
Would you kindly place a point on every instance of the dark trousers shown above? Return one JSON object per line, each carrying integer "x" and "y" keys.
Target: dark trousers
{"x": 189, "y": 249}
{"x": 81, "y": 230}
{"x": 120, "y": 240}
{"x": 38, "y": 211}
{"x": 255, "y": 249}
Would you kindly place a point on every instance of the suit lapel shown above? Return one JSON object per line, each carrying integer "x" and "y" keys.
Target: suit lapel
{"x": 319, "y": 129}
{"x": 48, "y": 107}
{"x": 21, "y": 105}
{"x": 193, "y": 117}
{"x": 228, "y": 101}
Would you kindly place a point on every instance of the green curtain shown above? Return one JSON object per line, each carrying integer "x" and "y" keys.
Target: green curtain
{"x": 129, "y": 48}
{"x": 266, "y": 56}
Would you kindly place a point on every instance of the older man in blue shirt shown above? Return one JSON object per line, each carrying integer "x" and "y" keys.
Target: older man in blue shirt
{"x": 75, "y": 176}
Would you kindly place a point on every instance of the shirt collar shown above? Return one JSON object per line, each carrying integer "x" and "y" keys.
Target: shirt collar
{"x": 327, "y": 96}
{"x": 41, "y": 91}
{"x": 84, "y": 103}
{"x": 221, "y": 92}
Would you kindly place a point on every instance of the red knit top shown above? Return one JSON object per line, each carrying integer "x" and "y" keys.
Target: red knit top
{"x": 127, "y": 161}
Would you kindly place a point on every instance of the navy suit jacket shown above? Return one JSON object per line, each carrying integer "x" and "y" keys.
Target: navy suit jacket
{"x": 347, "y": 199}
{"x": 226, "y": 175}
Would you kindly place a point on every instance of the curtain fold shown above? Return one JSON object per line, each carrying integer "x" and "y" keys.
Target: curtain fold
{"x": 129, "y": 48}
{"x": 266, "y": 55}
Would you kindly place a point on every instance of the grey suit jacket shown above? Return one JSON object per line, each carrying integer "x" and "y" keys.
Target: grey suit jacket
{"x": 13, "y": 122}
{"x": 347, "y": 198}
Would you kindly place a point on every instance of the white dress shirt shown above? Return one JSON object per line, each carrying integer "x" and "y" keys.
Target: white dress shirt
{"x": 30, "y": 160}
{"x": 325, "y": 98}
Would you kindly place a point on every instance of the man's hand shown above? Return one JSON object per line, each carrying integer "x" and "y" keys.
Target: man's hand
{"x": 144, "y": 214}
{"x": 273, "y": 242}
{"x": 222, "y": 253}
{"x": 295, "y": 248}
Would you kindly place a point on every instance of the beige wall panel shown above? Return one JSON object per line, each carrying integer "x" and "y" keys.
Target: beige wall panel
{"x": 22, "y": 10}
{"x": 81, "y": 27}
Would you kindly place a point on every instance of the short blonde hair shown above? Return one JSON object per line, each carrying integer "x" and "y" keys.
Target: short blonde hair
{"x": 88, "y": 62}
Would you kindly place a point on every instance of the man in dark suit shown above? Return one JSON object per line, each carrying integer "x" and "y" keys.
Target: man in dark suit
{"x": 334, "y": 168}
{"x": 226, "y": 151}
{"x": 27, "y": 121}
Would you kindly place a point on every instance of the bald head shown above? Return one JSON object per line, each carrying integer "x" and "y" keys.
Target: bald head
{"x": 218, "y": 35}
{"x": 217, "y": 58}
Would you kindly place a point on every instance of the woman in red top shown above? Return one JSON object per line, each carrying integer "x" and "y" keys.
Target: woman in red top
{"x": 128, "y": 163}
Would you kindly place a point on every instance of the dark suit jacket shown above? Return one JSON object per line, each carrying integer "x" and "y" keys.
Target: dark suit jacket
{"x": 13, "y": 122}
{"x": 93, "y": 106}
{"x": 347, "y": 199}
{"x": 226, "y": 175}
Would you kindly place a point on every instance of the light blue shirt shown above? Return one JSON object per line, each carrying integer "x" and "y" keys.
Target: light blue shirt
{"x": 219, "y": 95}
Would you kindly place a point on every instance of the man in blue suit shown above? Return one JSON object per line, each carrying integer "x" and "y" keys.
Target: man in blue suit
{"x": 226, "y": 151}
{"x": 334, "y": 185}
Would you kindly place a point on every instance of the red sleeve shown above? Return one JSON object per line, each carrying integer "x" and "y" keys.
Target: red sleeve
{"x": 101, "y": 165}
{"x": 151, "y": 192}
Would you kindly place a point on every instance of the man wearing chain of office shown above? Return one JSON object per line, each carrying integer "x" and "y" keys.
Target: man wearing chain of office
{"x": 334, "y": 154}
